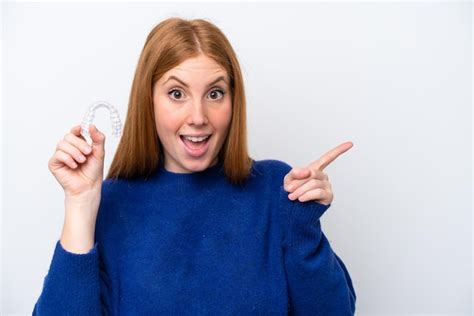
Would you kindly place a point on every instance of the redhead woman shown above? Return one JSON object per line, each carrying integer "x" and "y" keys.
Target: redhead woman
{"x": 186, "y": 222}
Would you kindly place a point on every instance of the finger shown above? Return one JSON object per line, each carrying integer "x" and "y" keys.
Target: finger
{"x": 65, "y": 159}
{"x": 295, "y": 173}
{"x": 309, "y": 185}
{"x": 316, "y": 194}
{"x": 331, "y": 155}
{"x": 71, "y": 150}
{"x": 315, "y": 174}
{"x": 76, "y": 130}
{"x": 98, "y": 138}
{"x": 78, "y": 141}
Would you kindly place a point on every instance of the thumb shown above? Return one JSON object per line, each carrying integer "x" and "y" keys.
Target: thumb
{"x": 98, "y": 138}
{"x": 302, "y": 172}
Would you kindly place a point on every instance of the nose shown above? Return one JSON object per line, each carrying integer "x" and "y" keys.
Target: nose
{"x": 198, "y": 115}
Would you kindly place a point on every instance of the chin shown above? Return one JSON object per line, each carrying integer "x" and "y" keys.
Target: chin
{"x": 198, "y": 165}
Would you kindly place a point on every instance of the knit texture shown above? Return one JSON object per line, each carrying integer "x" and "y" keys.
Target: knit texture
{"x": 195, "y": 244}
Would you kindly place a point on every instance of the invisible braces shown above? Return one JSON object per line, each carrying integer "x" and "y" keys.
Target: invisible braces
{"x": 114, "y": 118}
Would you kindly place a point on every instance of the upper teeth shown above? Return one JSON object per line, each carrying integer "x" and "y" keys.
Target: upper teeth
{"x": 196, "y": 139}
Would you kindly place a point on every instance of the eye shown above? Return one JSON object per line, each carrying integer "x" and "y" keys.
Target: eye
{"x": 173, "y": 92}
{"x": 222, "y": 92}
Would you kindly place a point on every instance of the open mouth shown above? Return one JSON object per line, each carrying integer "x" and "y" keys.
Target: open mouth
{"x": 196, "y": 148}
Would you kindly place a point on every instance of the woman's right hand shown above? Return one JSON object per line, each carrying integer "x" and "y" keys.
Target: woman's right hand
{"x": 79, "y": 179}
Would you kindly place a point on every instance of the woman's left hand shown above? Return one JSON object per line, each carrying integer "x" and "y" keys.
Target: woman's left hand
{"x": 311, "y": 183}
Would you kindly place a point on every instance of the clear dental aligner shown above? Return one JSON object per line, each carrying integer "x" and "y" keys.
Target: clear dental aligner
{"x": 90, "y": 114}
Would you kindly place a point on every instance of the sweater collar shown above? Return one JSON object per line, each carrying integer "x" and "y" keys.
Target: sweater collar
{"x": 214, "y": 170}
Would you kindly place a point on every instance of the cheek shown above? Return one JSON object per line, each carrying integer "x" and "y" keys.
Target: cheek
{"x": 227, "y": 119}
{"x": 166, "y": 122}
{"x": 223, "y": 118}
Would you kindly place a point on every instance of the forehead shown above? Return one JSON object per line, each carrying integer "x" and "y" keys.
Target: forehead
{"x": 200, "y": 65}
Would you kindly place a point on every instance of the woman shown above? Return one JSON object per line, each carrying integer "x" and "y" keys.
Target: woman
{"x": 186, "y": 223}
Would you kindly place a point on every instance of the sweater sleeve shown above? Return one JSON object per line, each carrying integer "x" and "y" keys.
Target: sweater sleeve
{"x": 72, "y": 285}
{"x": 318, "y": 281}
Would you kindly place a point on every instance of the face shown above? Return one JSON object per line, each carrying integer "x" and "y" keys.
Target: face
{"x": 192, "y": 99}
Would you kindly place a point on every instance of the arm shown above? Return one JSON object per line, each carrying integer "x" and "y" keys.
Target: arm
{"x": 318, "y": 281}
{"x": 72, "y": 285}
{"x": 77, "y": 273}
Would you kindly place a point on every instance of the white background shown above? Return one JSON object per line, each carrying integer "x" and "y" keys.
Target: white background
{"x": 393, "y": 78}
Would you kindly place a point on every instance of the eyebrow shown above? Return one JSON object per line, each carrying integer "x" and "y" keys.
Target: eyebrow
{"x": 186, "y": 85}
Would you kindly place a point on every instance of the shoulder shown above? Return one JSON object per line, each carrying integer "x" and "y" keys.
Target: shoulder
{"x": 273, "y": 168}
{"x": 271, "y": 173}
{"x": 109, "y": 187}
{"x": 115, "y": 192}
{"x": 112, "y": 194}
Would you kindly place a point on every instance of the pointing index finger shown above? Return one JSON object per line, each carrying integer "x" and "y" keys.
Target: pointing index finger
{"x": 331, "y": 155}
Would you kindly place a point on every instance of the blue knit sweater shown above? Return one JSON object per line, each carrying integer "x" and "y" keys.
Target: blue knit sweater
{"x": 194, "y": 244}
